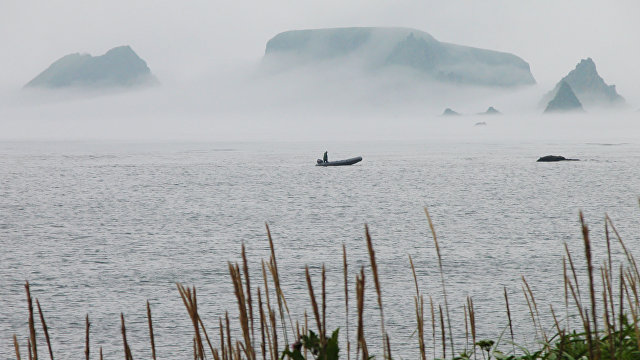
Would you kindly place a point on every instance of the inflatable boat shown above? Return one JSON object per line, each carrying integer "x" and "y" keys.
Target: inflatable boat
{"x": 339, "y": 162}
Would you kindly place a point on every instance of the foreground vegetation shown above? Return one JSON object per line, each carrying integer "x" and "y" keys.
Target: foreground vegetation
{"x": 609, "y": 318}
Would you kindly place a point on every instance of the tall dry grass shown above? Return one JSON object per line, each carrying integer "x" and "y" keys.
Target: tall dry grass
{"x": 609, "y": 319}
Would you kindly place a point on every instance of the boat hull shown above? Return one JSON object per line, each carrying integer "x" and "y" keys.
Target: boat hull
{"x": 340, "y": 162}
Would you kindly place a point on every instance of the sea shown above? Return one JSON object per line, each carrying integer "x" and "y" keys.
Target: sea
{"x": 99, "y": 228}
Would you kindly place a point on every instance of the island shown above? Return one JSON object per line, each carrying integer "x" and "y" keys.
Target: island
{"x": 118, "y": 67}
{"x": 588, "y": 87}
{"x": 374, "y": 49}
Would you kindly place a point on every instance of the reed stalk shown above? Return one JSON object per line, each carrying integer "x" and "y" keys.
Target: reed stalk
{"x": 16, "y": 346}
{"x": 45, "y": 329}
{"x": 628, "y": 254}
{"x": 444, "y": 289}
{"x": 535, "y": 307}
{"x": 607, "y": 323}
{"x": 86, "y": 342}
{"x": 419, "y": 304}
{"x": 566, "y": 291}
{"x": 324, "y": 300}
{"x": 123, "y": 330}
{"x": 555, "y": 319}
{"x": 442, "y": 332}
{"x": 247, "y": 280}
{"x": 243, "y": 317}
{"x": 223, "y": 349}
{"x": 151, "y": 338}
{"x": 346, "y": 297}
{"x": 274, "y": 333}
{"x": 189, "y": 298}
{"x": 472, "y": 322}
{"x": 228, "y": 326}
{"x": 262, "y": 328}
{"x": 530, "y": 306}
{"x": 506, "y": 300}
{"x": 592, "y": 292}
{"x": 433, "y": 325}
{"x": 360, "y": 287}
{"x": 609, "y": 270}
{"x": 466, "y": 328}
{"x": 314, "y": 305}
{"x": 33, "y": 348}
{"x": 575, "y": 276}
{"x": 282, "y": 302}
{"x": 376, "y": 282}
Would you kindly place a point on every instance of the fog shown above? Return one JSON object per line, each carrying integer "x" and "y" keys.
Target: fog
{"x": 215, "y": 87}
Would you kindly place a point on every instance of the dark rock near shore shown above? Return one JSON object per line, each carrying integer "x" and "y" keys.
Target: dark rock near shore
{"x": 554, "y": 158}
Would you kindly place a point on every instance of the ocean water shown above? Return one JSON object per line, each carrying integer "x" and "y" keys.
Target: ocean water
{"x": 100, "y": 228}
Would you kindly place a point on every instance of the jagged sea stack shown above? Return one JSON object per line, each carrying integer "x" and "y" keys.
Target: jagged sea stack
{"x": 564, "y": 101}
{"x": 588, "y": 87}
{"x": 119, "y": 67}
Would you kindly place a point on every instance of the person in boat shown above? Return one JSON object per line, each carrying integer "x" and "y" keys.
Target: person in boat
{"x": 325, "y": 158}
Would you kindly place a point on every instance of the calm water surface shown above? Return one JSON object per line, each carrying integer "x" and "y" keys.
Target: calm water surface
{"x": 100, "y": 228}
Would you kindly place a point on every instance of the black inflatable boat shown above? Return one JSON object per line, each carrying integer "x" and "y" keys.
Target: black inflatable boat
{"x": 339, "y": 162}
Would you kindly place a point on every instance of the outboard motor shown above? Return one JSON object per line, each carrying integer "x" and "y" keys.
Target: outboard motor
{"x": 320, "y": 161}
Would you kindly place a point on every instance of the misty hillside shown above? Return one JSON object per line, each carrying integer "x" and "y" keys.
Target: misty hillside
{"x": 588, "y": 86}
{"x": 120, "y": 66}
{"x": 374, "y": 49}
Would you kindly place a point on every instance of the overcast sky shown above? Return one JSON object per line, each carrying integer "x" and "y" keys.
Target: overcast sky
{"x": 182, "y": 39}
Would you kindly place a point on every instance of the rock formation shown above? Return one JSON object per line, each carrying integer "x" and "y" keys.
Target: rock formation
{"x": 554, "y": 158}
{"x": 373, "y": 49}
{"x": 120, "y": 66}
{"x": 588, "y": 86}
{"x": 491, "y": 111}
{"x": 449, "y": 112}
{"x": 565, "y": 100}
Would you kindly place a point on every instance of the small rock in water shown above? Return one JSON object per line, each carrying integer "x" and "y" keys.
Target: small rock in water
{"x": 481, "y": 123}
{"x": 553, "y": 158}
{"x": 449, "y": 112}
{"x": 491, "y": 111}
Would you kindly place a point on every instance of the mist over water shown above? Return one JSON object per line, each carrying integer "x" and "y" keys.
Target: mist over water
{"x": 321, "y": 103}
